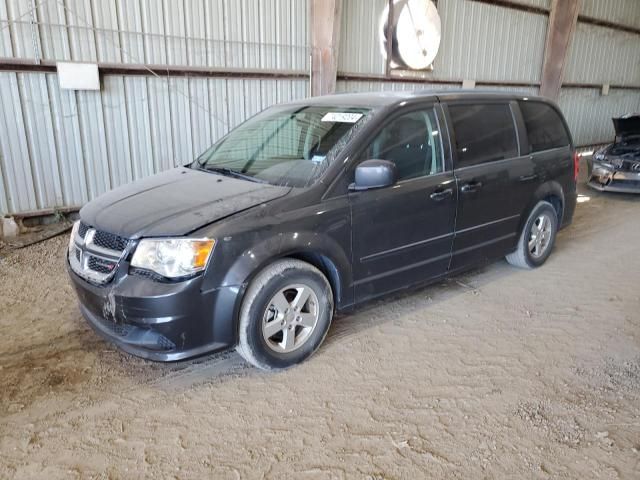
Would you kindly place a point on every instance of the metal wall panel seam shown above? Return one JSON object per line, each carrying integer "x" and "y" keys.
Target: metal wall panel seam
{"x": 20, "y": 188}
{"x": 29, "y": 151}
{"x": 70, "y": 150}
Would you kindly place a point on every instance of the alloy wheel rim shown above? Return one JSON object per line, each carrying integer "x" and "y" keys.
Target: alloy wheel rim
{"x": 540, "y": 235}
{"x": 290, "y": 318}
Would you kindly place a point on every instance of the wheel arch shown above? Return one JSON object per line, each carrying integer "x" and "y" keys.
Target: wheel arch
{"x": 318, "y": 250}
{"x": 551, "y": 192}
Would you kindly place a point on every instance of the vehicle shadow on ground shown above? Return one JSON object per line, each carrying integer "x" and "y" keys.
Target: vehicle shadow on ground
{"x": 229, "y": 365}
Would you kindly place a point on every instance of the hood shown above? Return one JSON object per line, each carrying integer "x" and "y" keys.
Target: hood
{"x": 175, "y": 202}
{"x": 627, "y": 125}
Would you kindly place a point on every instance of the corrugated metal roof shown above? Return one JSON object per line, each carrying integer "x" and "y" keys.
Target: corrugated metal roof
{"x": 603, "y": 55}
{"x": 63, "y": 148}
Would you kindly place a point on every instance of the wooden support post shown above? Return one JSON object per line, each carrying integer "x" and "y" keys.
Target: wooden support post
{"x": 562, "y": 24}
{"x": 325, "y": 41}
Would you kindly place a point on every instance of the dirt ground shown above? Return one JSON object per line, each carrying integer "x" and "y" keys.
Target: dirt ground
{"x": 499, "y": 373}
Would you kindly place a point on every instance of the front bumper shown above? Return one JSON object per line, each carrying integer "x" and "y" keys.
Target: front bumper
{"x": 607, "y": 178}
{"x": 615, "y": 181}
{"x": 159, "y": 321}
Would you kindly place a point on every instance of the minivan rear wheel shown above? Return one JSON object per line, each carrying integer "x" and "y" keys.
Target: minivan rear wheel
{"x": 285, "y": 315}
{"x": 537, "y": 237}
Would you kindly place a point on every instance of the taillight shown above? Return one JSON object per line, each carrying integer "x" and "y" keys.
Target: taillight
{"x": 576, "y": 166}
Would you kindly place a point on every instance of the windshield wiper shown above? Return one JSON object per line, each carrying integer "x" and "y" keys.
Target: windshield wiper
{"x": 229, "y": 172}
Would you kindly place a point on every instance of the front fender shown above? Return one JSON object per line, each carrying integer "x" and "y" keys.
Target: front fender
{"x": 286, "y": 244}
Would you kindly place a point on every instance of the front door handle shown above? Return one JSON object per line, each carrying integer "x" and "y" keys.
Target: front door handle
{"x": 471, "y": 187}
{"x": 440, "y": 195}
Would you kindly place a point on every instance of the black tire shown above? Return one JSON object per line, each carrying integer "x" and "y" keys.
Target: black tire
{"x": 265, "y": 286}
{"x": 523, "y": 257}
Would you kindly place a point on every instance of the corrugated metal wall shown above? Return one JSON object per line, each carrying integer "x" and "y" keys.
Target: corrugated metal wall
{"x": 624, "y": 12}
{"x": 589, "y": 114}
{"x": 600, "y": 55}
{"x": 63, "y": 148}
{"x": 471, "y": 49}
{"x": 213, "y": 33}
{"x": 603, "y": 55}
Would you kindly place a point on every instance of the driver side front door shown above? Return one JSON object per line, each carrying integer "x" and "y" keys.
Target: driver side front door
{"x": 402, "y": 235}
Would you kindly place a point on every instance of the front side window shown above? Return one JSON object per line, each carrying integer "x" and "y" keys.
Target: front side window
{"x": 545, "y": 128}
{"x": 483, "y": 133}
{"x": 412, "y": 142}
{"x": 286, "y": 146}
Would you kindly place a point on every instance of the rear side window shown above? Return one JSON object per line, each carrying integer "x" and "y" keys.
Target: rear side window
{"x": 483, "y": 133}
{"x": 545, "y": 128}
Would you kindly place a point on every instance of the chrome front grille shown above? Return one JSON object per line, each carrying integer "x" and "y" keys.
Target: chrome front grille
{"x": 110, "y": 241}
{"x": 95, "y": 254}
{"x": 82, "y": 229}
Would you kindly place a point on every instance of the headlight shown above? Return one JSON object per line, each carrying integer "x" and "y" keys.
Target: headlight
{"x": 74, "y": 232}
{"x": 173, "y": 257}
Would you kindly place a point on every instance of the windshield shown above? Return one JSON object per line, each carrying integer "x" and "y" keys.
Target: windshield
{"x": 286, "y": 146}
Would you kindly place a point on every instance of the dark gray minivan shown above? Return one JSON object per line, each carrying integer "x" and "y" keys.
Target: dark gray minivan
{"x": 316, "y": 206}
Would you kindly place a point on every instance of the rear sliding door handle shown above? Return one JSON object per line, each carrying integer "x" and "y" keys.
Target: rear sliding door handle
{"x": 471, "y": 187}
{"x": 528, "y": 178}
{"x": 439, "y": 195}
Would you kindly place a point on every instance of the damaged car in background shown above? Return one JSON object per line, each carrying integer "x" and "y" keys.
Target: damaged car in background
{"x": 616, "y": 167}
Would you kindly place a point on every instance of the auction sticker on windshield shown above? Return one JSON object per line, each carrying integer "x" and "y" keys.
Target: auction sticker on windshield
{"x": 343, "y": 117}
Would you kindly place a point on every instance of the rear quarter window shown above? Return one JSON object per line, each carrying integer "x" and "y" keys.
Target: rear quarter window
{"x": 545, "y": 128}
{"x": 483, "y": 133}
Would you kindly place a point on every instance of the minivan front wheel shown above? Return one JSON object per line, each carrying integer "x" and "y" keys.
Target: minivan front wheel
{"x": 537, "y": 237}
{"x": 285, "y": 315}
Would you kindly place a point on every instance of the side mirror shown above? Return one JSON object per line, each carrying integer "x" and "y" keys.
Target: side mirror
{"x": 374, "y": 174}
